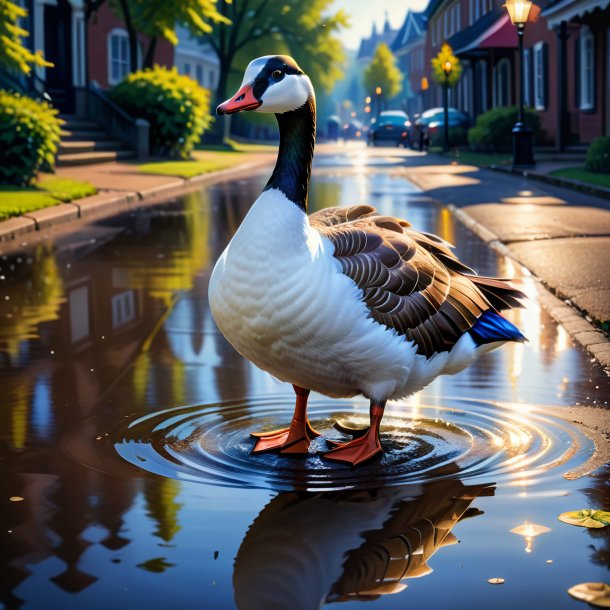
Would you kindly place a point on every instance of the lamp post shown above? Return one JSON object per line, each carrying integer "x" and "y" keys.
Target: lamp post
{"x": 447, "y": 68}
{"x": 378, "y": 92}
{"x": 520, "y": 13}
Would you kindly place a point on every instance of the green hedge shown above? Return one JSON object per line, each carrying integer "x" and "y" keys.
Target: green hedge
{"x": 29, "y": 137}
{"x": 176, "y": 107}
{"x": 598, "y": 155}
{"x": 492, "y": 131}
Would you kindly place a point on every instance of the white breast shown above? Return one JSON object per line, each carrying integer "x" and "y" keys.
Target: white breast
{"x": 279, "y": 297}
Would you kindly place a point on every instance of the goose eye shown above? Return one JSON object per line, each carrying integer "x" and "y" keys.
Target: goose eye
{"x": 277, "y": 74}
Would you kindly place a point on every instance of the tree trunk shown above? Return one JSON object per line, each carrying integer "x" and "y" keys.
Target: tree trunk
{"x": 218, "y": 132}
{"x": 133, "y": 36}
{"x": 150, "y": 53}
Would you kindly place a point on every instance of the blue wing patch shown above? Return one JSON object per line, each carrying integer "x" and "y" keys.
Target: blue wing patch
{"x": 492, "y": 327}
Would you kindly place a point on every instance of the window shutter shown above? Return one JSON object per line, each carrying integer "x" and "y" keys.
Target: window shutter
{"x": 545, "y": 74}
{"x": 595, "y": 62}
{"x": 577, "y": 72}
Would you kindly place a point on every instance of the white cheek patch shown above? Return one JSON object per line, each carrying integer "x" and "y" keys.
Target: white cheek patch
{"x": 288, "y": 94}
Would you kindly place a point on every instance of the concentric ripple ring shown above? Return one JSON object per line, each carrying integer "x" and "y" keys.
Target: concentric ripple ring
{"x": 475, "y": 438}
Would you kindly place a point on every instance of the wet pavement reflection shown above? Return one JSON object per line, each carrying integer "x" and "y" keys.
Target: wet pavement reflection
{"x": 104, "y": 327}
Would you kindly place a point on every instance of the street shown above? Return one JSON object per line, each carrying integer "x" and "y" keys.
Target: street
{"x": 112, "y": 368}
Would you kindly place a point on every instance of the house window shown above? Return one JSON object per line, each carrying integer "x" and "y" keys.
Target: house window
{"x": 199, "y": 72}
{"x": 187, "y": 68}
{"x": 587, "y": 69}
{"x": 502, "y": 83}
{"x": 539, "y": 76}
{"x": 527, "y": 77}
{"x": 118, "y": 56}
{"x": 123, "y": 308}
{"x": 471, "y": 11}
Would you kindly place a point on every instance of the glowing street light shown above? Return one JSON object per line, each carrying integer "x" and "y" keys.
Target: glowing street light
{"x": 522, "y": 12}
{"x": 367, "y": 99}
{"x": 447, "y": 69}
{"x": 378, "y": 92}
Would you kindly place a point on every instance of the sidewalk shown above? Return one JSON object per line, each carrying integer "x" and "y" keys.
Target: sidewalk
{"x": 121, "y": 186}
{"x": 560, "y": 235}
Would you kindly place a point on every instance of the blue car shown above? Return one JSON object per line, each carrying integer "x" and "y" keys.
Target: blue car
{"x": 392, "y": 127}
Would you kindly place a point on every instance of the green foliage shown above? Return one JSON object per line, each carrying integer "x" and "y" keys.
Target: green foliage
{"x": 161, "y": 18}
{"x": 598, "y": 155}
{"x": 305, "y": 30}
{"x": 29, "y": 136}
{"x": 13, "y": 55}
{"x": 439, "y": 64}
{"x": 383, "y": 72}
{"x": 492, "y": 131}
{"x": 176, "y": 107}
{"x": 458, "y": 136}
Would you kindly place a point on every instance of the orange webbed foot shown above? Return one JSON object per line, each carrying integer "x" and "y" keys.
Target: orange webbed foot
{"x": 295, "y": 439}
{"x": 356, "y": 452}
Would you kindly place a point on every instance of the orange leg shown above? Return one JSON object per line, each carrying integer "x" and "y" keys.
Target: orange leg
{"x": 294, "y": 439}
{"x": 365, "y": 447}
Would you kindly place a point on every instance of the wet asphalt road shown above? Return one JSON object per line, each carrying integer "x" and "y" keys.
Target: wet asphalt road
{"x": 104, "y": 327}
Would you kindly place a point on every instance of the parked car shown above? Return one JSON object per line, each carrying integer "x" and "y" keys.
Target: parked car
{"x": 429, "y": 127}
{"x": 391, "y": 127}
{"x": 353, "y": 130}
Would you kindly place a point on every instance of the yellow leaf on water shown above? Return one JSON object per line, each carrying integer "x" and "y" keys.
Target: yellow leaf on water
{"x": 495, "y": 581}
{"x": 594, "y": 593}
{"x": 587, "y": 517}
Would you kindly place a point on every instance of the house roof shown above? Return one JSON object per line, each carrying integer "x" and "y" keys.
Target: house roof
{"x": 492, "y": 31}
{"x": 412, "y": 28}
{"x": 566, "y": 10}
{"x": 432, "y": 7}
{"x": 368, "y": 45}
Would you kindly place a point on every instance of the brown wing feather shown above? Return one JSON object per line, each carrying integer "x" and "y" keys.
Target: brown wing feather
{"x": 411, "y": 281}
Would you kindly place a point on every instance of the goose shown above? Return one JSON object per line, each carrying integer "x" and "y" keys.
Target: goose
{"x": 346, "y": 301}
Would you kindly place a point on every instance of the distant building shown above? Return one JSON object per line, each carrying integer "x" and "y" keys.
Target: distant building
{"x": 369, "y": 45}
{"x": 196, "y": 59}
{"x": 409, "y": 46}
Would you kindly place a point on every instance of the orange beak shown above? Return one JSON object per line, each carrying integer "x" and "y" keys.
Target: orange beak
{"x": 243, "y": 100}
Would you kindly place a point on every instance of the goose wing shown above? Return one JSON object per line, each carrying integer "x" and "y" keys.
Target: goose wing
{"x": 411, "y": 281}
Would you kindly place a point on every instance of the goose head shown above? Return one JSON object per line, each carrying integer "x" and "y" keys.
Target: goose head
{"x": 273, "y": 83}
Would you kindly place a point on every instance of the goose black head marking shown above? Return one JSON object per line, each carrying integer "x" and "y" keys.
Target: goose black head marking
{"x": 273, "y": 83}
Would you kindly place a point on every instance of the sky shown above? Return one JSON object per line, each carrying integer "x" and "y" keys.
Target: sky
{"x": 363, "y": 12}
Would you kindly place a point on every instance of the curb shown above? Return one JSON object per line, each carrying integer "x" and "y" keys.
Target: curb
{"x": 108, "y": 203}
{"x": 593, "y": 340}
{"x": 575, "y": 185}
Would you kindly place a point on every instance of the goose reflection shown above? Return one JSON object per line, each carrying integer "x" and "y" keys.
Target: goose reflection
{"x": 308, "y": 549}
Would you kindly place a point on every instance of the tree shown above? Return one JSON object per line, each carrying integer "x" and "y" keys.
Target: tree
{"x": 266, "y": 27}
{"x": 13, "y": 54}
{"x": 383, "y": 72}
{"x": 439, "y": 65}
{"x": 159, "y": 19}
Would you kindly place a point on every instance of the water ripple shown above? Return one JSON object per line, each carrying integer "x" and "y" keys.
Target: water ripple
{"x": 211, "y": 443}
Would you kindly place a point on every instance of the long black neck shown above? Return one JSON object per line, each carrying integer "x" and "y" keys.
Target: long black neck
{"x": 293, "y": 166}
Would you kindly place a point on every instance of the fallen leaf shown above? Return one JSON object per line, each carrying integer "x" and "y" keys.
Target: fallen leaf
{"x": 495, "y": 581}
{"x": 594, "y": 593}
{"x": 156, "y": 565}
{"x": 587, "y": 517}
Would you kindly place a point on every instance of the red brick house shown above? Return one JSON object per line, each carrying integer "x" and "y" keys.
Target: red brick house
{"x": 566, "y": 62}
{"x": 409, "y": 48}
{"x": 81, "y": 47}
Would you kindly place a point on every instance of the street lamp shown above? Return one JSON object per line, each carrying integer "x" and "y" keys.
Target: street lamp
{"x": 447, "y": 68}
{"x": 378, "y": 92}
{"x": 521, "y": 12}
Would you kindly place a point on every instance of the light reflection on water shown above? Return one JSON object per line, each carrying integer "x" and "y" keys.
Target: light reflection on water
{"x": 112, "y": 323}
